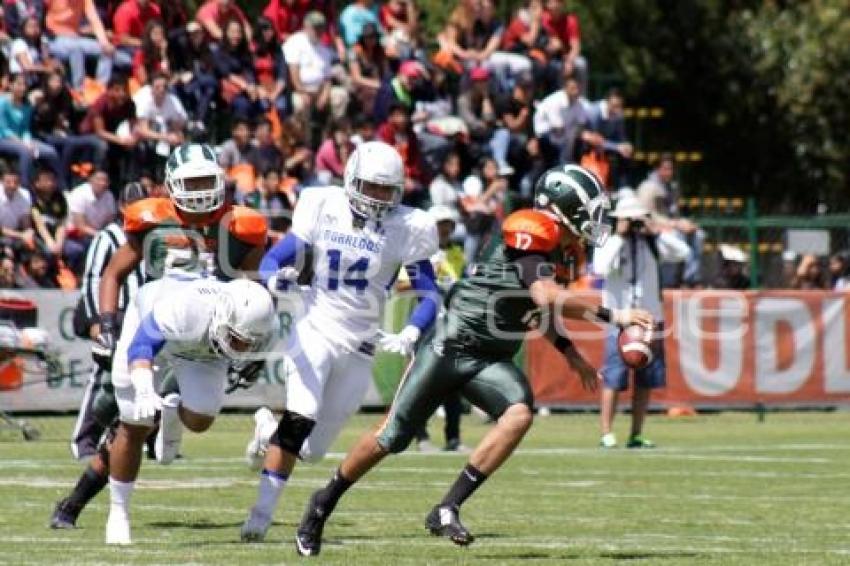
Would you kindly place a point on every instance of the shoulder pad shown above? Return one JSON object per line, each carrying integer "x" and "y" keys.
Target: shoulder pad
{"x": 147, "y": 213}
{"x": 248, "y": 225}
{"x": 531, "y": 230}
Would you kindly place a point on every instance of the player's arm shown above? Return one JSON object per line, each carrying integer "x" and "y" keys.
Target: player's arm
{"x": 123, "y": 261}
{"x": 423, "y": 282}
{"x": 546, "y": 293}
{"x": 281, "y": 264}
{"x": 588, "y": 375}
{"x": 147, "y": 342}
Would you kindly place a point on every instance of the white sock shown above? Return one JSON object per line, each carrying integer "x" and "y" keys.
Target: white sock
{"x": 271, "y": 484}
{"x": 119, "y": 495}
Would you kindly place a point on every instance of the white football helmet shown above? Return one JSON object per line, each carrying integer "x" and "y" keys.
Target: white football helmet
{"x": 194, "y": 179}
{"x": 244, "y": 321}
{"x": 378, "y": 163}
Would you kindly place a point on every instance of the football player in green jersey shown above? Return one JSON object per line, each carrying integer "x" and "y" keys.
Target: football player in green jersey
{"x": 470, "y": 350}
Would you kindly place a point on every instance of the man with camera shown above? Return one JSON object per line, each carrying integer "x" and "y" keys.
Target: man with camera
{"x": 630, "y": 263}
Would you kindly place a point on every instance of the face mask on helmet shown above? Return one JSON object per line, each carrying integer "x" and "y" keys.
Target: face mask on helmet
{"x": 572, "y": 204}
{"x": 230, "y": 342}
{"x": 372, "y": 200}
{"x": 374, "y": 178}
{"x": 194, "y": 180}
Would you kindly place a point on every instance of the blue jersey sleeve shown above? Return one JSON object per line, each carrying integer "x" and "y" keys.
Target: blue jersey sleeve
{"x": 423, "y": 280}
{"x": 289, "y": 251}
{"x": 147, "y": 342}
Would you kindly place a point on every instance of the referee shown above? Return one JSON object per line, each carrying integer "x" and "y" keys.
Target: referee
{"x": 90, "y": 425}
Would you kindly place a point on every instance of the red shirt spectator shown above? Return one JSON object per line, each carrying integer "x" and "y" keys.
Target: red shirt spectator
{"x": 286, "y": 16}
{"x": 398, "y": 132}
{"x": 130, "y": 19}
{"x": 215, "y": 13}
{"x": 112, "y": 109}
{"x": 561, "y": 25}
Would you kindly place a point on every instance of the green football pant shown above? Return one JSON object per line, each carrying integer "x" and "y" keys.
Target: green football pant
{"x": 491, "y": 385}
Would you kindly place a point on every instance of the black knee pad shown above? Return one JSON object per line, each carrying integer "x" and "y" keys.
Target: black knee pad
{"x": 105, "y": 407}
{"x": 292, "y": 431}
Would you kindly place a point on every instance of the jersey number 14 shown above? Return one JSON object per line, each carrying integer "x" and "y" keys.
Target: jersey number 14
{"x": 355, "y": 275}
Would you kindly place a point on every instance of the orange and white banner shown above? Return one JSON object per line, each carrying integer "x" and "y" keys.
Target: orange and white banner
{"x": 727, "y": 349}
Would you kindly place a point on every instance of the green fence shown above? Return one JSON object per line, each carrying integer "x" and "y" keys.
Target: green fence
{"x": 765, "y": 238}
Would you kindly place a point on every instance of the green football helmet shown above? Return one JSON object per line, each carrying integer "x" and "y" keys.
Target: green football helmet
{"x": 194, "y": 180}
{"x": 577, "y": 199}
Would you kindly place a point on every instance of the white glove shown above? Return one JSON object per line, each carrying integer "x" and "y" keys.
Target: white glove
{"x": 401, "y": 343}
{"x": 147, "y": 402}
{"x": 284, "y": 281}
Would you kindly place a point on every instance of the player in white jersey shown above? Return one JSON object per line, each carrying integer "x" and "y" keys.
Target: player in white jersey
{"x": 202, "y": 326}
{"x": 358, "y": 238}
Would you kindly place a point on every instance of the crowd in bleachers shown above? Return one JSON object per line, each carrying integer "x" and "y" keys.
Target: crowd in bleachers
{"x": 97, "y": 93}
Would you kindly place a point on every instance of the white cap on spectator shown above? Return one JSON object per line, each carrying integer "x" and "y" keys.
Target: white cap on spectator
{"x": 629, "y": 206}
{"x": 731, "y": 253}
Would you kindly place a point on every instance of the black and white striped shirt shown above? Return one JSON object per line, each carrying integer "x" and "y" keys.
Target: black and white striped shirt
{"x": 104, "y": 245}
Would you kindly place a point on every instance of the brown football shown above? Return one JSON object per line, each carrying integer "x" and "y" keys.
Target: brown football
{"x": 635, "y": 344}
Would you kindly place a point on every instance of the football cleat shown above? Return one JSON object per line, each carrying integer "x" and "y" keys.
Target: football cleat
{"x": 118, "y": 528}
{"x": 444, "y": 521}
{"x": 308, "y": 539}
{"x": 170, "y": 433}
{"x": 65, "y": 515}
{"x": 264, "y": 427}
{"x": 255, "y": 527}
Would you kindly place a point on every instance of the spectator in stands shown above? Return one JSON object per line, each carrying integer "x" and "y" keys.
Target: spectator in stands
{"x": 435, "y": 122}
{"x": 298, "y": 157}
{"x": 14, "y": 14}
{"x": 513, "y": 115}
{"x": 213, "y": 15}
{"x": 160, "y": 122}
{"x": 364, "y": 129}
{"x": 238, "y": 148}
{"x": 400, "y": 20}
{"x": 16, "y": 135}
{"x": 333, "y": 153}
{"x": 112, "y": 119}
{"x": 369, "y": 67}
{"x": 16, "y": 229}
{"x": 91, "y": 206}
{"x": 732, "y": 264}
{"x": 234, "y": 68}
{"x": 487, "y": 34}
{"x": 64, "y": 20}
{"x": 266, "y": 153}
{"x": 355, "y": 17}
{"x": 309, "y": 64}
{"x": 525, "y": 35}
{"x": 483, "y": 193}
{"x": 476, "y": 108}
{"x": 175, "y": 16}
{"x": 7, "y": 272}
{"x": 605, "y": 119}
{"x": 559, "y": 121}
{"x": 53, "y": 123}
{"x": 152, "y": 56}
{"x": 286, "y": 16}
{"x": 397, "y": 131}
{"x": 49, "y": 213}
{"x": 446, "y": 191}
{"x": 660, "y": 194}
{"x": 271, "y": 201}
{"x": 270, "y": 71}
{"x": 564, "y": 40}
{"x": 30, "y": 54}
{"x": 197, "y": 85}
{"x": 399, "y": 89}
{"x": 35, "y": 272}
{"x": 130, "y": 20}
{"x": 839, "y": 271}
{"x": 810, "y": 275}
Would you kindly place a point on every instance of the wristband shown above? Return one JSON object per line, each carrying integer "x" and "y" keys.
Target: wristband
{"x": 108, "y": 321}
{"x": 603, "y": 314}
{"x": 562, "y": 343}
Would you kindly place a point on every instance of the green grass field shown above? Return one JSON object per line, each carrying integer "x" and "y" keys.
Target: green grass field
{"x": 722, "y": 489}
